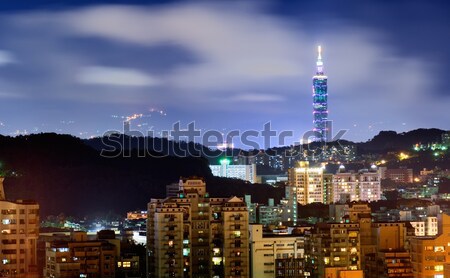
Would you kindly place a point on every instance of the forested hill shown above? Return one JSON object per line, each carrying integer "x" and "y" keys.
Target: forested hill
{"x": 66, "y": 175}
{"x": 387, "y": 141}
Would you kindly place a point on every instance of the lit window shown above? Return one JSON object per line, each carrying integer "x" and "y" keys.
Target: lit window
{"x": 6, "y": 221}
{"x": 439, "y": 268}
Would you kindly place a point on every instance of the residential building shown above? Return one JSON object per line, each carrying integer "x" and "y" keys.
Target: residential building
{"x": 194, "y": 235}
{"x": 390, "y": 257}
{"x": 388, "y": 263}
{"x": 305, "y": 186}
{"x": 275, "y": 255}
{"x": 252, "y": 209}
{"x": 429, "y": 227}
{"x": 308, "y": 182}
{"x": 364, "y": 185}
{"x": 327, "y": 188}
{"x": 430, "y": 254}
{"x": 400, "y": 175}
{"x": 19, "y": 233}
{"x": 243, "y": 172}
{"x": 332, "y": 248}
{"x": 80, "y": 257}
{"x": 269, "y": 214}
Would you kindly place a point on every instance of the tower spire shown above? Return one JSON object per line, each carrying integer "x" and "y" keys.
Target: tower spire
{"x": 319, "y": 62}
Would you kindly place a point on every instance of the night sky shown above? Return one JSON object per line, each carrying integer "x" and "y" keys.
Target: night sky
{"x": 82, "y": 67}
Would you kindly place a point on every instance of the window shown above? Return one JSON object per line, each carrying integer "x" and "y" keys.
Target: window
{"x": 439, "y": 249}
{"x": 439, "y": 267}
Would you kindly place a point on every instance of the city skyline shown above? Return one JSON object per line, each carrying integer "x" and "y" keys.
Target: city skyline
{"x": 84, "y": 67}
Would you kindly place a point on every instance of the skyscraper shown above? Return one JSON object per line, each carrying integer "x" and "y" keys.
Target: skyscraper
{"x": 320, "y": 102}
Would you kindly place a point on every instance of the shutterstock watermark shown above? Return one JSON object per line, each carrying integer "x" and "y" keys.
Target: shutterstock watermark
{"x": 191, "y": 141}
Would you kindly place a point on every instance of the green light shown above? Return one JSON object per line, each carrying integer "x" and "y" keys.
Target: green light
{"x": 436, "y": 154}
{"x": 225, "y": 161}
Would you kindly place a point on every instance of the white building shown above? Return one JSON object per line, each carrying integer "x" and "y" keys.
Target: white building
{"x": 269, "y": 253}
{"x": 363, "y": 185}
{"x": 305, "y": 186}
{"x": 429, "y": 227}
{"x": 307, "y": 182}
{"x": 243, "y": 172}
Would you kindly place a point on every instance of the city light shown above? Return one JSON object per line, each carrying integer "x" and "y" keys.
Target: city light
{"x": 403, "y": 156}
{"x": 225, "y": 161}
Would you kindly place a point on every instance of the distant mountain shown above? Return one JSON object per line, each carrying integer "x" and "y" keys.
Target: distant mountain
{"x": 387, "y": 141}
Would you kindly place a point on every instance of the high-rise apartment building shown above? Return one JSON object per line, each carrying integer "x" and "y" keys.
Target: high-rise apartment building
{"x": 332, "y": 248}
{"x": 18, "y": 238}
{"x": 364, "y": 185}
{"x": 320, "y": 100}
{"x": 193, "y": 235}
{"x": 305, "y": 186}
{"x": 307, "y": 182}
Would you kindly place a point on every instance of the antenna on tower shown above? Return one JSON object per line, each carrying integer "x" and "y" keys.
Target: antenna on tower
{"x": 319, "y": 62}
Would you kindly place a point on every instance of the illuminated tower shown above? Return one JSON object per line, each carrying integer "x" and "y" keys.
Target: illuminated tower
{"x": 320, "y": 104}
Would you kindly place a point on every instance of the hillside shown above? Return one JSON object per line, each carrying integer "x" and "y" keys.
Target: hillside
{"x": 65, "y": 175}
{"x": 387, "y": 141}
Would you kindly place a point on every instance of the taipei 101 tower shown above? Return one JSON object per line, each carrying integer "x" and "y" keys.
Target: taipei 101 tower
{"x": 320, "y": 104}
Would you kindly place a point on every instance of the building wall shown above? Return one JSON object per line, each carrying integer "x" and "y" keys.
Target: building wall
{"x": 385, "y": 264}
{"x": 399, "y": 175}
{"x": 59, "y": 262}
{"x": 168, "y": 241}
{"x": 19, "y": 228}
{"x": 361, "y": 186}
{"x": 334, "y": 245}
{"x": 243, "y": 172}
{"x": 79, "y": 257}
{"x": 389, "y": 235}
{"x": 429, "y": 227}
{"x": 193, "y": 235}
{"x": 430, "y": 254}
{"x": 264, "y": 252}
{"x": 236, "y": 240}
{"x": 308, "y": 183}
